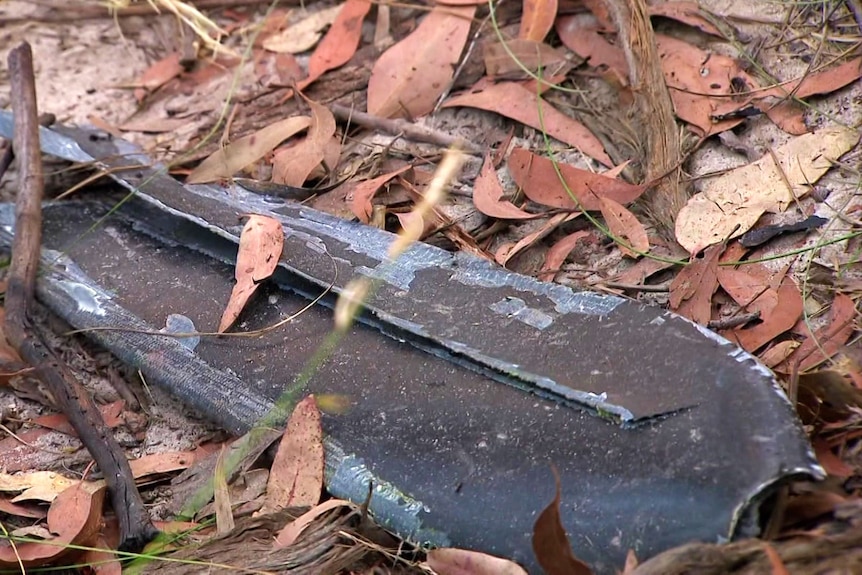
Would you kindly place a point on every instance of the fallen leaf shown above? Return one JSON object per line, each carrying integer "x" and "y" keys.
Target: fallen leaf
{"x": 304, "y": 34}
{"x": 410, "y": 76}
{"x": 360, "y": 198}
{"x": 221, "y": 496}
{"x": 701, "y": 82}
{"x": 508, "y": 251}
{"x": 35, "y": 485}
{"x": 277, "y": 70}
{"x": 692, "y": 288}
{"x": 777, "y": 353}
{"x": 689, "y": 13}
{"x": 510, "y": 64}
{"x": 488, "y": 195}
{"x": 731, "y": 204}
{"x": 293, "y": 165}
{"x": 291, "y": 532}
{"x": 8, "y": 507}
{"x": 580, "y": 34}
{"x": 558, "y": 253}
{"x": 296, "y": 479}
{"x": 537, "y": 19}
{"x": 541, "y": 183}
{"x": 161, "y": 463}
{"x": 777, "y": 566}
{"x": 514, "y": 101}
{"x": 227, "y": 161}
{"x": 112, "y": 414}
{"x": 449, "y": 561}
{"x": 260, "y": 246}
{"x": 779, "y": 310}
{"x": 828, "y": 340}
{"x": 100, "y": 560}
{"x": 74, "y": 518}
{"x": 631, "y": 563}
{"x": 833, "y": 464}
{"x": 550, "y": 543}
{"x": 624, "y": 225}
{"x": 341, "y": 41}
{"x": 158, "y": 74}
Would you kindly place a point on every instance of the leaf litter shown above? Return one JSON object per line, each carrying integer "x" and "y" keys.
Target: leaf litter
{"x": 719, "y": 99}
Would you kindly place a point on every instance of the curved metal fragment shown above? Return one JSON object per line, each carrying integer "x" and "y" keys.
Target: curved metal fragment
{"x": 662, "y": 431}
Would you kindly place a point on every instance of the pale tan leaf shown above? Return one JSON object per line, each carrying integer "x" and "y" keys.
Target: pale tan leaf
{"x": 260, "y": 246}
{"x": 296, "y": 479}
{"x": 450, "y": 561}
{"x": 508, "y": 251}
{"x": 731, "y": 204}
{"x": 221, "y": 496}
{"x": 623, "y": 224}
{"x": 410, "y": 76}
{"x": 293, "y": 165}
{"x": 36, "y": 485}
{"x": 304, "y": 34}
{"x": 227, "y": 161}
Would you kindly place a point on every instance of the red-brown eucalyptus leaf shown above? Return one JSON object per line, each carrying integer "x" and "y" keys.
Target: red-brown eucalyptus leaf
{"x": 362, "y": 194}
{"x": 292, "y": 166}
{"x": 488, "y": 196}
{"x": 410, "y": 76}
{"x": 537, "y": 19}
{"x": 340, "y": 43}
{"x": 623, "y": 224}
{"x": 550, "y": 543}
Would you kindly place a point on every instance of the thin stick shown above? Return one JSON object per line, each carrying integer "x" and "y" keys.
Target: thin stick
{"x": 402, "y": 127}
{"x": 136, "y": 529}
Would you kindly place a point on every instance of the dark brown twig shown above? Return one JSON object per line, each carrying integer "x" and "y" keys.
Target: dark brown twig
{"x": 405, "y": 129}
{"x": 136, "y": 529}
{"x": 733, "y": 321}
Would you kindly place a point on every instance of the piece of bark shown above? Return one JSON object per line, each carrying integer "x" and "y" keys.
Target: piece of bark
{"x": 136, "y": 528}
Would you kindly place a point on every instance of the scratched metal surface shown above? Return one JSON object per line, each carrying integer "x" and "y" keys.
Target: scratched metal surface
{"x": 470, "y": 446}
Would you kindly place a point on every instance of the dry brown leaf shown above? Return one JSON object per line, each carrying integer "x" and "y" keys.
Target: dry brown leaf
{"x": 296, "y": 478}
{"x": 539, "y": 180}
{"x": 410, "y": 76}
{"x": 537, "y": 19}
{"x": 221, "y": 496}
{"x": 158, "y": 74}
{"x": 488, "y": 195}
{"x": 533, "y": 56}
{"x": 623, "y": 224}
{"x": 550, "y": 543}
{"x": 74, "y": 518}
{"x": 686, "y": 12}
{"x": 777, "y": 566}
{"x": 18, "y": 510}
{"x": 731, "y": 204}
{"x": 227, "y": 161}
{"x": 700, "y": 82}
{"x": 779, "y": 310}
{"x": 292, "y": 166}
{"x": 361, "y": 196}
{"x": 830, "y": 462}
{"x": 160, "y": 463}
{"x": 449, "y": 561}
{"x": 341, "y": 41}
{"x": 515, "y": 101}
{"x": 558, "y": 253}
{"x": 304, "y": 34}
{"x": 828, "y": 340}
{"x": 112, "y": 414}
{"x": 260, "y": 246}
{"x": 777, "y": 353}
{"x": 692, "y": 288}
{"x": 580, "y": 34}
{"x": 100, "y": 559}
{"x": 289, "y": 534}
{"x": 508, "y": 251}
